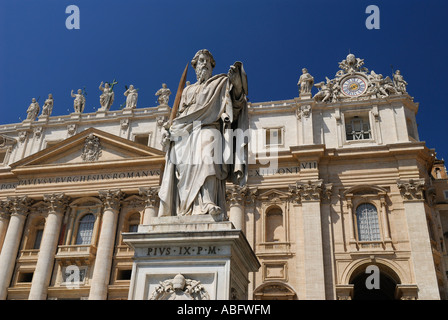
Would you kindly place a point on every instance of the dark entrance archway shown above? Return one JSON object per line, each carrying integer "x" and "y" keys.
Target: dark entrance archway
{"x": 387, "y": 284}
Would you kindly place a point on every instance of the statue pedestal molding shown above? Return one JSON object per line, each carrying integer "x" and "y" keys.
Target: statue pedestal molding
{"x": 190, "y": 257}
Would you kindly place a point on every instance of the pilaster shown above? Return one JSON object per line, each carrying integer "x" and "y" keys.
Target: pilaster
{"x": 311, "y": 193}
{"x": 421, "y": 251}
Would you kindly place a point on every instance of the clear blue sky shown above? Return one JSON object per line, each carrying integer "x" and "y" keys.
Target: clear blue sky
{"x": 147, "y": 43}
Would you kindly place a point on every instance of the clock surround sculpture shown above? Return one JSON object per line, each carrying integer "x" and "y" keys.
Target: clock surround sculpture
{"x": 354, "y": 82}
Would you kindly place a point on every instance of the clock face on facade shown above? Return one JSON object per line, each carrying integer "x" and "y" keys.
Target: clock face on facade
{"x": 354, "y": 86}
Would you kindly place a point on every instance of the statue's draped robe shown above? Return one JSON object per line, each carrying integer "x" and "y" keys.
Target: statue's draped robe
{"x": 195, "y": 173}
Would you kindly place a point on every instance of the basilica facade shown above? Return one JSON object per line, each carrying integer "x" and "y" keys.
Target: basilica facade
{"x": 339, "y": 185}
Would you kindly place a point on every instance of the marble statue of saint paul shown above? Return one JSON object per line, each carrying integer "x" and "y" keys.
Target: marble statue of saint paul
{"x": 200, "y": 143}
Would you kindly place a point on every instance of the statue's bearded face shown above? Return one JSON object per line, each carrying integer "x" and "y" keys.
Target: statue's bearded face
{"x": 203, "y": 68}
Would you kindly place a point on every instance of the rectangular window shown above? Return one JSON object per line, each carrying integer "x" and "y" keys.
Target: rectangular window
{"x": 357, "y": 128}
{"x": 445, "y": 193}
{"x": 25, "y": 277}
{"x": 142, "y": 139}
{"x": 273, "y": 136}
{"x": 38, "y": 238}
{"x": 124, "y": 274}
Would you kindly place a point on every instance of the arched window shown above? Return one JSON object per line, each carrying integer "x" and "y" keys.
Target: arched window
{"x": 85, "y": 229}
{"x": 367, "y": 221}
{"x": 274, "y": 225}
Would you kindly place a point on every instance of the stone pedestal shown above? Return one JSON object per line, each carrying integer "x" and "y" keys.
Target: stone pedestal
{"x": 190, "y": 257}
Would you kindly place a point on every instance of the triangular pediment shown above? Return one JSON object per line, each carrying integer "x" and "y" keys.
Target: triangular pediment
{"x": 89, "y": 146}
{"x": 274, "y": 194}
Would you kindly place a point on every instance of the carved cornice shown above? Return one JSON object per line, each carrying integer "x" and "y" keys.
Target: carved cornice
{"x": 240, "y": 194}
{"x": 19, "y": 205}
{"x": 310, "y": 191}
{"x": 111, "y": 198}
{"x": 411, "y": 189}
{"x": 56, "y": 202}
{"x": 150, "y": 196}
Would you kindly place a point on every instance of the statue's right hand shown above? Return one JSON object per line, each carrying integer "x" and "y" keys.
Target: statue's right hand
{"x": 165, "y": 138}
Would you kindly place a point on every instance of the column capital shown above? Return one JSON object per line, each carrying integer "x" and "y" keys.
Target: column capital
{"x": 4, "y": 209}
{"x": 150, "y": 196}
{"x": 111, "y": 198}
{"x": 56, "y": 202}
{"x": 411, "y": 189}
{"x": 240, "y": 194}
{"x": 19, "y": 205}
{"x": 311, "y": 190}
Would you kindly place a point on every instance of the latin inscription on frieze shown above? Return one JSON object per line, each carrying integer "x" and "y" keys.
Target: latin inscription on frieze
{"x": 182, "y": 251}
{"x": 81, "y": 178}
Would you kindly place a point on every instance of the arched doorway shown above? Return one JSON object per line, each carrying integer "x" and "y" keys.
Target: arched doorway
{"x": 387, "y": 283}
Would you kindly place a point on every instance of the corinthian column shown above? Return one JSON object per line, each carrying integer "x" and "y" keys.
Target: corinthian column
{"x": 4, "y": 220}
{"x": 103, "y": 262}
{"x": 41, "y": 279}
{"x": 151, "y": 198}
{"x": 18, "y": 207}
{"x": 237, "y": 197}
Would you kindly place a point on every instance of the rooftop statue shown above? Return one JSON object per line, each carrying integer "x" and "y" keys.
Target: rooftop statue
{"x": 399, "y": 82}
{"x": 306, "y": 82}
{"x": 163, "y": 95}
{"x": 33, "y": 110}
{"x": 80, "y": 101}
{"x": 107, "y": 97}
{"x": 131, "y": 97}
{"x": 197, "y": 141}
{"x": 47, "y": 108}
